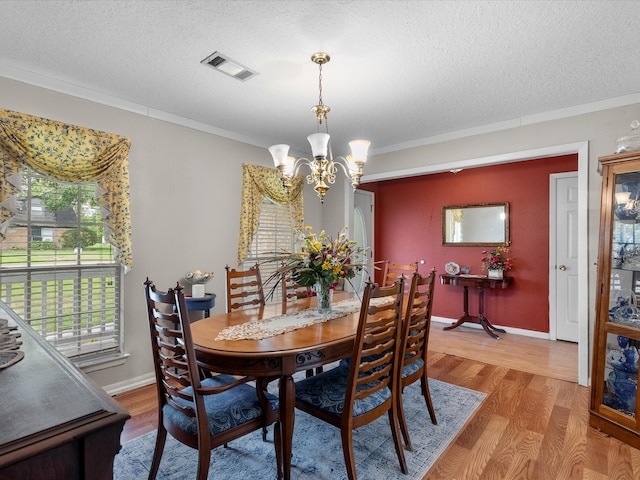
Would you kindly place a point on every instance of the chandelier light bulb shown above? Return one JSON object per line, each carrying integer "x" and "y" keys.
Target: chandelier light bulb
{"x": 319, "y": 144}
{"x": 279, "y": 154}
{"x": 359, "y": 149}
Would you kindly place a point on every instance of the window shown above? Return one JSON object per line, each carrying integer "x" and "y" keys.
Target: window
{"x": 39, "y": 234}
{"x": 276, "y": 233}
{"x": 57, "y": 272}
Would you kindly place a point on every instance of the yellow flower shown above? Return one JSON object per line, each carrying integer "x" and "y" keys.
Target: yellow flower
{"x": 326, "y": 265}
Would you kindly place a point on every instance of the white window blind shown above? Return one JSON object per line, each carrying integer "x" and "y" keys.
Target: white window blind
{"x": 58, "y": 273}
{"x": 275, "y": 235}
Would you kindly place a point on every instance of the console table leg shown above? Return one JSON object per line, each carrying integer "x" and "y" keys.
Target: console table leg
{"x": 486, "y": 324}
{"x": 479, "y": 282}
{"x": 490, "y": 328}
{"x": 465, "y": 294}
{"x": 465, "y": 317}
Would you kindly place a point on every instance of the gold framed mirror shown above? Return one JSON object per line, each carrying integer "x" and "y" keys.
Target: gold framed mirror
{"x": 484, "y": 224}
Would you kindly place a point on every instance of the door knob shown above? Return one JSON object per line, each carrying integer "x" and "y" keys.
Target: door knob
{"x": 562, "y": 267}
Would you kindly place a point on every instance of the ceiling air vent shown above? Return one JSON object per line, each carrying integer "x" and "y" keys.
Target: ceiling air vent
{"x": 228, "y": 66}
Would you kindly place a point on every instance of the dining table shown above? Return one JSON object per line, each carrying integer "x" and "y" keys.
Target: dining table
{"x": 276, "y": 357}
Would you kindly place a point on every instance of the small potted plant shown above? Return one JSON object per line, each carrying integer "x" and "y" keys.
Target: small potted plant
{"x": 496, "y": 262}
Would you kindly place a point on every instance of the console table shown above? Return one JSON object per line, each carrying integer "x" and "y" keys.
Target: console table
{"x": 56, "y": 424}
{"x": 480, "y": 282}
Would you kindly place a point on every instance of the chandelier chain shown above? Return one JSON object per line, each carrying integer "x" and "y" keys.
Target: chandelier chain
{"x": 320, "y": 85}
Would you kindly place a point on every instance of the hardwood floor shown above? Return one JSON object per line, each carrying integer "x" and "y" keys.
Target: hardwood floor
{"x": 533, "y": 424}
{"x": 533, "y": 355}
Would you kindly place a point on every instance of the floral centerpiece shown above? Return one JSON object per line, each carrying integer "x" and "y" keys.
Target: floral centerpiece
{"x": 496, "y": 261}
{"x": 323, "y": 262}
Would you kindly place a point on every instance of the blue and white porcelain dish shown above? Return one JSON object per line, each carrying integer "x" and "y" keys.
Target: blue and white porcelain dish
{"x": 452, "y": 268}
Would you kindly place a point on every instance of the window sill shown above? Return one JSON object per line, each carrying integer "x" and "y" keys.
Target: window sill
{"x": 96, "y": 364}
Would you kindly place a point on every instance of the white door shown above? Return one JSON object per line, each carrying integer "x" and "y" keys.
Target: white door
{"x": 363, "y": 233}
{"x": 564, "y": 258}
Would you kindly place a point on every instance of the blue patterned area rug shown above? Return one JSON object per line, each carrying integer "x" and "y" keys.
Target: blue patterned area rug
{"x": 317, "y": 448}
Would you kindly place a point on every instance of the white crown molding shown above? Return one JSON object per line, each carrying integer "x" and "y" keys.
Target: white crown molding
{"x": 79, "y": 91}
{"x": 514, "y": 123}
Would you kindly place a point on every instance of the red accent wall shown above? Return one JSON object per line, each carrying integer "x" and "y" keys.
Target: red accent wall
{"x": 408, "y": 228}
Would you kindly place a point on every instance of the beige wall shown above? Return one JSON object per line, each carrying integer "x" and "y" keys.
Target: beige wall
{"x": 185, "y": 204}
{"x": 185, "y": 191}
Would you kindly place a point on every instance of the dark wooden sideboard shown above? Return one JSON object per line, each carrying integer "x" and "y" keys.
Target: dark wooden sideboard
{"x": 54, "y": 422}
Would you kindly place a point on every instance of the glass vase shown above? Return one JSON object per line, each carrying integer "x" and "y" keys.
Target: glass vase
{"x": 324, "y": 295}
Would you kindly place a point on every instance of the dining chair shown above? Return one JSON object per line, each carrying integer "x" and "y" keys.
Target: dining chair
{"x": 291, "y": 290}
{"x": 393, "y": 271}
{"x": 364, "y": 388}
{"x": 200, "y": 413}
{"x": 244, "y": 288}
{"x": 415, "y": 340}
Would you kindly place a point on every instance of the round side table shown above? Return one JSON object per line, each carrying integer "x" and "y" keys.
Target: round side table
{"x": 205, "y": 303}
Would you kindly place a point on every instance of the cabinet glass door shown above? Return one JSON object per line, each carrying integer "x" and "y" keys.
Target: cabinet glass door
{"x": 625, "y": 251}
{"x": 621, "y": 374}
{"x": 621, "y": 359}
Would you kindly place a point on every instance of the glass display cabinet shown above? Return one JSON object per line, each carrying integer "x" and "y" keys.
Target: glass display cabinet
{"x": 614, "y": 406}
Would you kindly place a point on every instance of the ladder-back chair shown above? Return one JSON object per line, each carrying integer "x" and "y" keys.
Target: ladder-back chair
{"x": 393, "y": 271}
{"x": 292, "y": 291}
{"x": 415, "y": 335}
{"x": 201, "y": 413}
{"x": 362, "y": 389}
{"x": 244, "y": 288}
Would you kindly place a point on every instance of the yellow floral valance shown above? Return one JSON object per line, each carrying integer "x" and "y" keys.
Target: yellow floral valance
{"x": 72, "y": 154}
{"x": 259, "y": 182}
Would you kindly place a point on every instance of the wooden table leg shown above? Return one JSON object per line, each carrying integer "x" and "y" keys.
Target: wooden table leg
{"x": 287, "y": 402}
{"x": 484, "y": 321}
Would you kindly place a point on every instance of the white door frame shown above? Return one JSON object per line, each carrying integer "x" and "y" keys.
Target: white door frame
{"x": 348, "y": 213}
{"x": 582, "y": 150}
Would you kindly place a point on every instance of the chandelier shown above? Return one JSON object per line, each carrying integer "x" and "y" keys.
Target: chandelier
{"x": 323, "y": 166}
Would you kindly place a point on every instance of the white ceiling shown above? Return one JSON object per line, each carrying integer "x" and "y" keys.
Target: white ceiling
{"x": 401, "y": 72}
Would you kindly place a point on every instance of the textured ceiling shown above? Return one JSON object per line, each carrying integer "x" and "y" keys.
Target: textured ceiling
{"x": 401, "y": 71}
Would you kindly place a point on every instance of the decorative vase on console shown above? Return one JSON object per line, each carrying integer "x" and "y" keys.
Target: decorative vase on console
{"x": 496, "y": 274}
{"x": 496, "y": 262}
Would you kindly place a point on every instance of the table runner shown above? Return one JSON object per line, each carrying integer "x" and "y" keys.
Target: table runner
{"x": 270, "y": 327}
